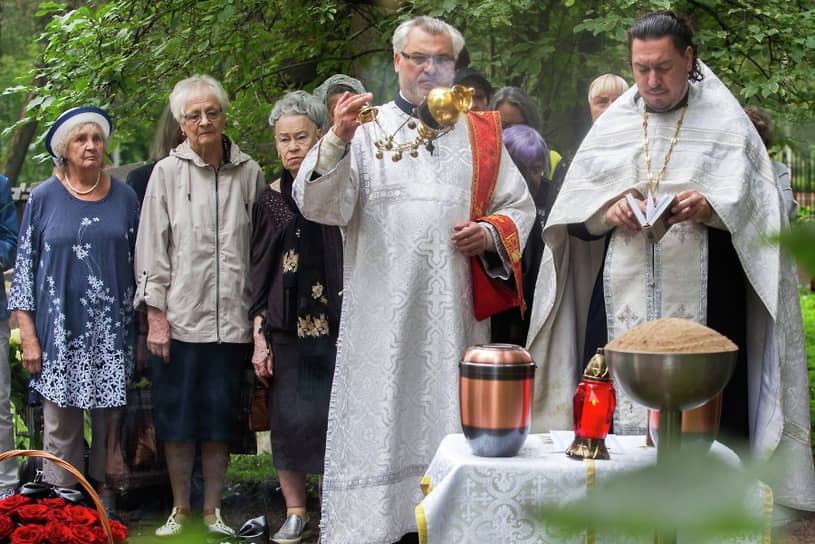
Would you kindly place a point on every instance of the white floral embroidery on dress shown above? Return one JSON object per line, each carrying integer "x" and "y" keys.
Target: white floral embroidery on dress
{"x": 87, "y": 360}
{"x": 93, "y": 357}
{"x": 23, "y": 270}
{"x": 80, "y": 252}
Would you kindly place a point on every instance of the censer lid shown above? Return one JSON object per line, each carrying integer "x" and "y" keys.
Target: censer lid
{"x": 497, "y": 353}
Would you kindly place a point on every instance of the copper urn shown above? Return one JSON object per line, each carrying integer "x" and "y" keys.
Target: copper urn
{"x": 496, "y": 384}
{"x": 699, "y": 425}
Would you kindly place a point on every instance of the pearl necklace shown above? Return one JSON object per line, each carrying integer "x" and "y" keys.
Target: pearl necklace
{"x": 77, "y": 191}
{"x": 652, "y": 187}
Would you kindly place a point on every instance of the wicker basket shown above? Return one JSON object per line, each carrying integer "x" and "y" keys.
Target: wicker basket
{"x": 103, "y": 517}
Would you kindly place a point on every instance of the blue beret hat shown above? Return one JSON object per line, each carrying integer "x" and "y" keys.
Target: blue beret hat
{"x": 73, "y": 117}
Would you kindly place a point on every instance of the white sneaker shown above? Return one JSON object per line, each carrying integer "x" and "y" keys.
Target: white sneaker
{"x": 219, "y": 526}
{"x": 171, "y": 526}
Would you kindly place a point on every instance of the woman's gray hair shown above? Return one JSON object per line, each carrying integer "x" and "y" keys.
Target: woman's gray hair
{"x": 301, "y": 103}
{"x": 337, "y": 84}
{"x": 62, "y": 145}
{"x": 178, "y": 97}
{"x": 431, "y": 25}
{"x": 518, "y": 98}
{"x": 166, "y": 135}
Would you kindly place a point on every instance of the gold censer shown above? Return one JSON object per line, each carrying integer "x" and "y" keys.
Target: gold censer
{"x": 437, "y": 114}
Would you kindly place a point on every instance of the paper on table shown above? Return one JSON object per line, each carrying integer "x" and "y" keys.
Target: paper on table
{"x": 563, "y": 439}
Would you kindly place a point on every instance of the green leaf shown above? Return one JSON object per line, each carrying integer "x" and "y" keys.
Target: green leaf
{"x": 692, "y": 491}
{"x": 799, "y": 242}
{"x": 48, "y": 8}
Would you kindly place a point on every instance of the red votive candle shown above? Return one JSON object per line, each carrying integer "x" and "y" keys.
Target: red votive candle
{"x": 594, "y": 403}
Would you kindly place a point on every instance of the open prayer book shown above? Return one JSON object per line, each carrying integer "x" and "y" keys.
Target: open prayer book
{"x": 654, "y": 222}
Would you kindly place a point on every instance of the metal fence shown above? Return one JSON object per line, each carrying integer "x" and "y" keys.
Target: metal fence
{"x": 802, "y": 175}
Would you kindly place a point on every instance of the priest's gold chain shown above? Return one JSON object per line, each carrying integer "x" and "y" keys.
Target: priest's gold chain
{"x": 652, "y": 187}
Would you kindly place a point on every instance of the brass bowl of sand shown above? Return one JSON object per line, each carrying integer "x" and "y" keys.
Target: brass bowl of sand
{"x": 671, "y": 364}
{"x": 671, "y": 381}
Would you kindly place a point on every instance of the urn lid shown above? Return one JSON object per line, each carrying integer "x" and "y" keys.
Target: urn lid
{"x": 496, "y": 353}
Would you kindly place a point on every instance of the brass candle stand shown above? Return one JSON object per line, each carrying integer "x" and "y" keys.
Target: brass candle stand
{"x": 437, "y": 115}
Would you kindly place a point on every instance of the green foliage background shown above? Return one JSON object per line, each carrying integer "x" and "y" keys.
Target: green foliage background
{"x": 19, "y": 50}
{"x": 125, "y": 55}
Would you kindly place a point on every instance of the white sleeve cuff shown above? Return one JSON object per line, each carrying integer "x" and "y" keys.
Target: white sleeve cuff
{"x": 488, "y": 230}
{"x": 596, "y": 224}
{"x": 331, "y": 149}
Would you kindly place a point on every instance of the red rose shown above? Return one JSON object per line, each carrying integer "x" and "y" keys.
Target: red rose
{"x": 58, "y": 533}
{"x": 82, "y": 515}
{"x": 53, "y": 502}
{"x": 13, "y": 503}
{"x": 6, "y": 527}
{"x": 59, "y": 515}
{"x": 28, "y": 534}
{"x": 82, "y": 535}
{"x": 119, "y": 531}
{"x": 99, "y": 534}
{"x": 32, "y": 513}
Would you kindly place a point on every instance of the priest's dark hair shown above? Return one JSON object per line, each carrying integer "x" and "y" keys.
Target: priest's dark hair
{"x": 659, "y": 24}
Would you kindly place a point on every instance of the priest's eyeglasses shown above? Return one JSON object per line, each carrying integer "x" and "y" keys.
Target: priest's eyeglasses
{"x": 196, "y": 116}
{"x": 420, "y": 59}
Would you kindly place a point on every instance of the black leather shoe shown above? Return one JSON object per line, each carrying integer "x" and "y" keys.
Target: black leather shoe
{"x": 254, "y": 530}
{"x": 37, "y": 490}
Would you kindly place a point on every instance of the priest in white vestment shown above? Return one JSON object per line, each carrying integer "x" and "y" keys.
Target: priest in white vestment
{"x": 679, "y": 131}
{"x": 407, "y": 313}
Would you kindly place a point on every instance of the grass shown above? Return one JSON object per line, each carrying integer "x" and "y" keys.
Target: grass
{"x": 808, "y": 311}
{"x": 251, "y": 468}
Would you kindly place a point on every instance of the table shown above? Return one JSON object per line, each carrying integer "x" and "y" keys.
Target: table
{"x": 471, "y": 499}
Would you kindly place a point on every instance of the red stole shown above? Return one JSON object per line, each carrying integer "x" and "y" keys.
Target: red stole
{"x": 491, "y": 295}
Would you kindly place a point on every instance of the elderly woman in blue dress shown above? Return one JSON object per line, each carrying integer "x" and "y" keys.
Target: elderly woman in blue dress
{"x": 72, "y": 291}
{"x": 192, "y": 266}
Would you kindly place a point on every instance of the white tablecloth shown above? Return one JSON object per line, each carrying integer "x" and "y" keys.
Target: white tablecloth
{"x": 471, "y": 499}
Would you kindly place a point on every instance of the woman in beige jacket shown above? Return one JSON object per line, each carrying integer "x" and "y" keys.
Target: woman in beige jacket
{"x": 192, "y": 273}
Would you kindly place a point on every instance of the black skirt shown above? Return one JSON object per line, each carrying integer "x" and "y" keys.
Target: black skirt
{"x": 197, "y": 395}
{"x": 298, "y": 409}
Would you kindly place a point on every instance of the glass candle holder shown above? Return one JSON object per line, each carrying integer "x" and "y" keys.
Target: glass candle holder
{"x": 594, "y": 403}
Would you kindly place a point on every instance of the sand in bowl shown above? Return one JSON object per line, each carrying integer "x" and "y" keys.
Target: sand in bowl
{"x": 671, "y": 335}
{"x": 678, "y": 336}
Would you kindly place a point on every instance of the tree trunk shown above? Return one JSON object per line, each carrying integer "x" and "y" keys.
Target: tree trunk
{"x": 17, "y": 149}
{"x": 18, "y": 144}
